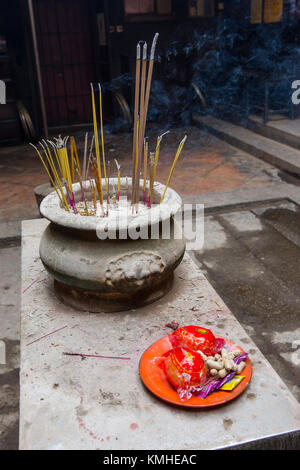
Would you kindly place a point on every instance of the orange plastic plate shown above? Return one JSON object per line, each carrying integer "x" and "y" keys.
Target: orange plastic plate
{"x": 155, "y": 380}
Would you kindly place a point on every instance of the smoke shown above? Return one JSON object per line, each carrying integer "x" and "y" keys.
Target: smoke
{"x": 208, "y": 71}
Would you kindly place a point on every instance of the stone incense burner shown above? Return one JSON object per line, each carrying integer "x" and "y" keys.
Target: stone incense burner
{"x": 117, "y": 273}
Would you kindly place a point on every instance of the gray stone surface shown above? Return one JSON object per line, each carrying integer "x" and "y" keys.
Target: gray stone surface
{"x": 10, "y": 293}
{"x": 70, "y": 403}
{"x": 10, "y": 280}
{"x": 251, "y": 257}
{"x": 276, "y": 153}
{"x": 286, "y": 131}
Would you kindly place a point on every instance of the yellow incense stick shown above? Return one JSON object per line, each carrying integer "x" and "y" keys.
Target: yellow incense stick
{"x": 67, "y": 167}
{"x": 63, "y": 201}
{"x": 50, "y": 161}
{"x": 173, "y": 166}
{"x": 56, "y": 155}
{"x": 72, "y": 161}
{"x": 99, "y": 185}
{"x": 102, "y": 137}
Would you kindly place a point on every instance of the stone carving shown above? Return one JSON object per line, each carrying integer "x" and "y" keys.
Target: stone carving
{"x": 134, "y": 269}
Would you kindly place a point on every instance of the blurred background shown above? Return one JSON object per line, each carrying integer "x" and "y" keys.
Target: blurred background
{"x": 212, "y": 55}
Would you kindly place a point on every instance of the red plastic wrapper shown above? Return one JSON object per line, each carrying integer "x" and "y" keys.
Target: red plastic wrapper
{"x": 197, "y": 338}
{"x": 185, "y": 370}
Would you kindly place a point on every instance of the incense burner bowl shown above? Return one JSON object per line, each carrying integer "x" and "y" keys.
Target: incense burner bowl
{"x": 114, "y": 263}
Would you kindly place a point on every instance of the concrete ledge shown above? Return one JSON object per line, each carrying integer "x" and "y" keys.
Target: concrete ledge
{"x": 69, "y": 403}
{"x": 284, "y": 131}
{"x": 278, "y": 154}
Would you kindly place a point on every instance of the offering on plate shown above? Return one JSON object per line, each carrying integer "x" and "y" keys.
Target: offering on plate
{"x": 198, "y": 339}
{"x": 198, "y": 363}
{"x": 185, "y": 369}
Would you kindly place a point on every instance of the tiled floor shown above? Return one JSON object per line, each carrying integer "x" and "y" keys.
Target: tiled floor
{"x": 206, "y": 165}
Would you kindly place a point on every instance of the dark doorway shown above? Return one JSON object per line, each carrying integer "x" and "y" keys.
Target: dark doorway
{"x": 66, "y": 57}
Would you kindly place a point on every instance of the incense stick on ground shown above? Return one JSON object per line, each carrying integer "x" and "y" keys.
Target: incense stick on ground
{"x": 136, "y": 111}
{"x": 95, "y": 355}
{"x": 173, "y": 166}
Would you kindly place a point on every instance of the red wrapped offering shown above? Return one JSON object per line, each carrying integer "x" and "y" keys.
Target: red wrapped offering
{"x": 196, "y": 338}
{"x": 185, "y": 370}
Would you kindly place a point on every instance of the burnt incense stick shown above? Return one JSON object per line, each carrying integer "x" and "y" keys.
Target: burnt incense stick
{"x": 50, "y": 161}
{"x": 82, "y": 192}
{"x": 151, "y": 183}
{"x": 61, "y": 196}
{"x": 98, "y": 184}
{"x": 159, "y": 139}
{"x": 89, "y": 159}
{"x": 56, "y": 155}
{"x": 74, "y": 153}
{"x": 173, "y": 166}
{"x": 136, "y": 111}
{"x": 93, "y": 192}
{"x": 119, "y": 179}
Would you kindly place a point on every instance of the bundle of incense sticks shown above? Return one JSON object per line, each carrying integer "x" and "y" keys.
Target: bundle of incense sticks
{"x": 63, "y": 166}
{"x": 142, "y": 95}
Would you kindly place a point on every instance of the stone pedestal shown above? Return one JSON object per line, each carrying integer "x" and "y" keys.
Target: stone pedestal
{"x": 97, "y": 403}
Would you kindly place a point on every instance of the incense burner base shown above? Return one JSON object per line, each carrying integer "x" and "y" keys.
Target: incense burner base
{"x": 96, "y": 302}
